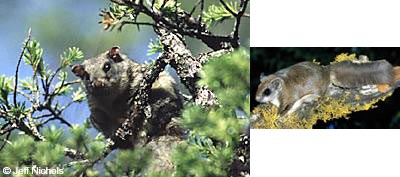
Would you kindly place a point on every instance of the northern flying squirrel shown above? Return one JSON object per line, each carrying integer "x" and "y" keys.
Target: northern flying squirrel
{"x": 289, "y": 88}
{"x": 108, "y": 79}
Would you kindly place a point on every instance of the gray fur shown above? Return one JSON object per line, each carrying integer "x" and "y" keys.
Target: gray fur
{"x": 347, "y": 74}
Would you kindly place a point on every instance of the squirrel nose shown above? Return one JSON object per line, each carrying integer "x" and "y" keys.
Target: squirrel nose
{"x": 258, "y": 98}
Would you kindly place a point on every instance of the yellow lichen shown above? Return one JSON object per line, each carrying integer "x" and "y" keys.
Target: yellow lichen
{"x": 267, "y": 116}
{"x": 357, "y": 97}
{"x": 328, "y": 108}
{"x": 344, "y": 57}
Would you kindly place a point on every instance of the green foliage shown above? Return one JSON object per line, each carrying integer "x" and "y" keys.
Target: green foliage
{"x": 60, "y": 87}
{"x": 24, "y": 151}
{"x": 79, "y": 95}
{"x": 233, "y": 83}
{"x": 17, "y": 153}
{"x": 191, "y": 159}
{"x": 218, "y": 13}
{"x": 119, "y": 12}
{"x": 215, "y": 131}
{"x": 5, "y": 89}
{"x": 53, "y": 134}
{"x": 33, "y": 57}
{"x": 48, "y": 154}
{"x": 18, "y": 111}
{"x": 129, "y": 162}
{"x": 28, "y": 85}
{"x": 79, "y": 138}
{"x": 73, "y": 54}
{"x": 154, "y": 47}
{"x": 168, "y": 7}
{"x": 219, "y": 124}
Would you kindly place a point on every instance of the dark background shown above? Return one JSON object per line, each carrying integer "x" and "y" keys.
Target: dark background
{"x": 271, "y": 59}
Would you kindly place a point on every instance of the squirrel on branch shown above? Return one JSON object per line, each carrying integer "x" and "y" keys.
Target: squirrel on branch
{"x": 290, "y": 87}
{"x": 110, "y": 77}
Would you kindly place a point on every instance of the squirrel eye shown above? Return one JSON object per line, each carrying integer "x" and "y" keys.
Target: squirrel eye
{"x": 106, "y": 67}
{"x": 267, "y": 92}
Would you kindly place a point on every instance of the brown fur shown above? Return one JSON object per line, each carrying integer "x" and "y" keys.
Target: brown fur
{"x": 298, "y": 80}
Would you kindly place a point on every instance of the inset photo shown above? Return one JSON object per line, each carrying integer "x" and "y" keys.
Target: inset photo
{"x": 325, "y": 88}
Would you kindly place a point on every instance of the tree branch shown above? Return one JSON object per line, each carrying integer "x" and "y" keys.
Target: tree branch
{"x": 19, "y": 62}
{"x": 337, "y": 103}
{"x": 186, "y": 66}
{"x": 134, "y": 23}
{"x": 140, "y": 110}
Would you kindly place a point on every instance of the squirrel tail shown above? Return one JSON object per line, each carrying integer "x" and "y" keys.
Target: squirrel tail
{"x": 396, "y": 78}
{"x": 356, "y": 75}
{"x": 396, "y": 81}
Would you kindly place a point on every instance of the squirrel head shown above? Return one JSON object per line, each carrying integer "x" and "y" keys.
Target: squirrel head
{"x": 269, "y": 88}
{"x": 103, "y": 74}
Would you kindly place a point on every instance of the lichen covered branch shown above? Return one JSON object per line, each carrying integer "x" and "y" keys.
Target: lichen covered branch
{"x": 140, "y": 109}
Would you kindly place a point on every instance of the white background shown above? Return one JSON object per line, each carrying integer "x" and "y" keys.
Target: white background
{"x": 324, "y": 153}
{"x": 323, "y": 23}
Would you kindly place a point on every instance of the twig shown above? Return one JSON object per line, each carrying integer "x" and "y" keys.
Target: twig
{"x": 52, "y": 77}
{"x": 7, "y": 127}
{"x": 201, "y": 11}
{"x": 134, "y": 23}
{"x": 43, "y": 116}
{"x": 243, "y": 7}
{"x": 25, "y": 95}
{"x": 164, "y": 3}
{"x": 19, "y": 63}
{"x": 228, "y": 8}
{"x": 72, "y": 82}
{"x": 62, "y": 120}
{"x": 74, "y": 154}
{"x": 194, "y": 7}
{"x": 5, "y": 141}
{"x": 56, "y": 116}
{"x": 152, "y": 3}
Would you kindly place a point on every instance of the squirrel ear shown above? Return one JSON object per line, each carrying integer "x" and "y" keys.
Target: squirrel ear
{"x": 113, "y": 53}
{"x": 276, "y": 84}
{"x": 78, "y": 70}
{"x": 262, "y": 76}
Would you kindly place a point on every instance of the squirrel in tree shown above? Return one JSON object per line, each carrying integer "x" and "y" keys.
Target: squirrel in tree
{"x": 110, "y": 77}
{"x": 289, "y": 88}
